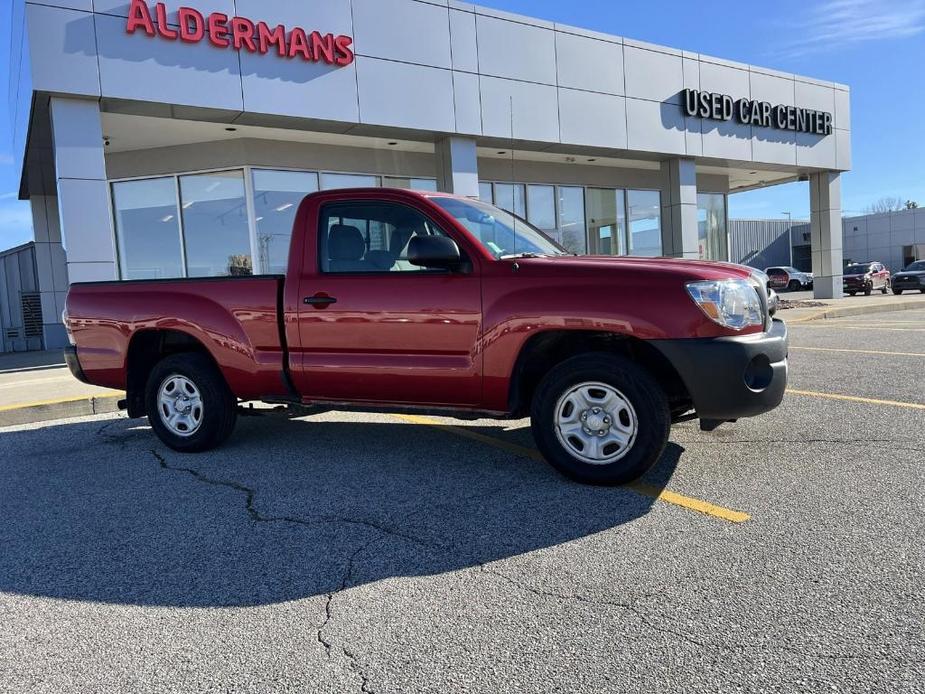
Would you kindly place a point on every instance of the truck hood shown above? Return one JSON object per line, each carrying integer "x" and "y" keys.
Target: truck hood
{"x": 676, "y": 268}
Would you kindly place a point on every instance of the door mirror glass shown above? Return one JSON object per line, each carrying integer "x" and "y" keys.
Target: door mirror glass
{"x": 438, "y": 252}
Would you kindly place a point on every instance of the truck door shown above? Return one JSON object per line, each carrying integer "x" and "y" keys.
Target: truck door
{"x": 375, "y": 328}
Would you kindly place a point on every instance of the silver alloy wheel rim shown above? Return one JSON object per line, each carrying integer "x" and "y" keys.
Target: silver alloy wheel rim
{"x": 179, "y": 405}
{"x": 596, "y": 423}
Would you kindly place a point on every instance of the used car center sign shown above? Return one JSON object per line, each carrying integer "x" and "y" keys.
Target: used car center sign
{"x": 240, "y": 33}
{"x": 722, "y": 107}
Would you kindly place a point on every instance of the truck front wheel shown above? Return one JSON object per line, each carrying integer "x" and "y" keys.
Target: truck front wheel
{"x": 600, "y": 419}
{"x": 189, "y": 405}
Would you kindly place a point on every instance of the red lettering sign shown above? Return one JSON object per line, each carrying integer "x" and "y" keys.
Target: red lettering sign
{"x": 240, "y": 33}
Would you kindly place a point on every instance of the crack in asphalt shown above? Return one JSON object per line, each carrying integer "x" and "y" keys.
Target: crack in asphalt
{"x": 647, "y": 621}
{"x": 384, "y": 531}
{"x": 257, "y": 517}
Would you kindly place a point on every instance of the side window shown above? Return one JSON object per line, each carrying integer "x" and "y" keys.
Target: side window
{"x": 370, "y": 237}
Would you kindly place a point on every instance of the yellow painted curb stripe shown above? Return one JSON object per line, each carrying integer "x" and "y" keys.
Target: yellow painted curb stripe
{"x": 647, "y": 490}
{"x": 855, "y": 398}
{"x": 63, "y": 401}
{"x": 859, "y": 351}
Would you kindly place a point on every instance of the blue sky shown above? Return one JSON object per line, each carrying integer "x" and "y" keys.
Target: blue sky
{"x": 877, "y": 47}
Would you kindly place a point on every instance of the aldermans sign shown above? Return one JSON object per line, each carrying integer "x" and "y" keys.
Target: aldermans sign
{"x": 239, "y": 33}
{"x": 722, "y": 107}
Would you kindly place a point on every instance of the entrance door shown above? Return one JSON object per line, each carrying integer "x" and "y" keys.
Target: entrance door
{"x": 606, "y": 221}
{"x": 375, "y": 328}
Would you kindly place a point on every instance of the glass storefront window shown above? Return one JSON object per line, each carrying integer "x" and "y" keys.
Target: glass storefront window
{"x": 148, "y": 229}
{"x": 645, "y": 222}
{"x": 277, "y": 195}
{"x": 606, "y": 221}
{"x": 428, "y": 184}
{"x": 215, "y": 228}
{"x": 511, "y": 198}
{"x": 572, "y": 219}
{"x": 541, "y": 206}
{"x": 485, "y": 194}
{"x": 711, "y": 226}
{"x": 332, "y": 181}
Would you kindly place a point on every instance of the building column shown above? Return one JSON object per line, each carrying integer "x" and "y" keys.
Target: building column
{"x": 51, "y": 263}
{"x": 83, "y": 191}
{"x": 457, "y": 166}
{"x": 680, "y": 238}
{"x": 826, "y": 234}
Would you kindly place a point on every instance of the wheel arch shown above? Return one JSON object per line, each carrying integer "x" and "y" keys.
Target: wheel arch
{"x": 545, "y": 349}
{"x": 146, "y": 348}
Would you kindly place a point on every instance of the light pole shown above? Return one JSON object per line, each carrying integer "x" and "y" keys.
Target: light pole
{"x": 790, "y": 234}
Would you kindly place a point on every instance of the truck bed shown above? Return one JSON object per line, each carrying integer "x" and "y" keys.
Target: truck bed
{"x": 237, "y": 319}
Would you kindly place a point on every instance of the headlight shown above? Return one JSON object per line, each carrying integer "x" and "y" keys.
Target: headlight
{"x": 732, "y": 303}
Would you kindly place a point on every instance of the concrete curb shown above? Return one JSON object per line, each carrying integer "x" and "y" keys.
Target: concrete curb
{"x": 846, "y": 311}
{"x": 29, "y": 413}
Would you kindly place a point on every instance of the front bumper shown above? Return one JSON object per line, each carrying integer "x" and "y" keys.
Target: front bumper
{"x": 909, "y": 282}
{"x": 732, "y": 377}
{"x": 73, "y": 363}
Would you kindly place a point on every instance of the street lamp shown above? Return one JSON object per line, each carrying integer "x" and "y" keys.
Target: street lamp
{"x": 790, "y": 234}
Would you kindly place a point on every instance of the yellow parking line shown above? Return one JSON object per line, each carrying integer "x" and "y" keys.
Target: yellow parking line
{"x": 860, "y": 351}
{"x": 855, "y": 398}
{"x": 647, "y": 490}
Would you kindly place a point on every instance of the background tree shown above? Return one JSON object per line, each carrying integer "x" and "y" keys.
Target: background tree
{"x": 912, "y": 205}
{"x": 886, "y": 204}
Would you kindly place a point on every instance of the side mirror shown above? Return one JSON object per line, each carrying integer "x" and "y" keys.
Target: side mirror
{"x": 438, "y": 252}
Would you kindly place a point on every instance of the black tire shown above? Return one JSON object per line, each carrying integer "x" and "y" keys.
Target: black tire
{"x": 219, "y": 406}
{"x": 868, "y": 290}
{"x": 851, "y": 293}
{"x": 794, "y": 285}
{"x": 897, "y": 292}
{"x": 886, "y": 288}
{"x": 635, "y": 385}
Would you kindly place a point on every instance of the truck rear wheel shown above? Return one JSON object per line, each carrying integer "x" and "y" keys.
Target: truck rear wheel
{"x": 600, "y": 419}
{"x": 189, "y": 405}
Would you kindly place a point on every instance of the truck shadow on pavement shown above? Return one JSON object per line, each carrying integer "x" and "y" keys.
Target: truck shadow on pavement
{"x": 101, "y": 511}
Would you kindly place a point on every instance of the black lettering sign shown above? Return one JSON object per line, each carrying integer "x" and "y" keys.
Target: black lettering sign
{"x": 722, "y": 107}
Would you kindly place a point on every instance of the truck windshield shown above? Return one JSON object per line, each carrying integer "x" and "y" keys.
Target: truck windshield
{"x": 500, "y": 232}
{"x": 857, "y": 269}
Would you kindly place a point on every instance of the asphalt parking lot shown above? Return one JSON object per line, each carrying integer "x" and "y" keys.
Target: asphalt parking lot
{"x": 374, "y": 553}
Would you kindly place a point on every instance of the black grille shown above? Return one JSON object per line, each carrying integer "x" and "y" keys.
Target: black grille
{"x": 32, "y": 314}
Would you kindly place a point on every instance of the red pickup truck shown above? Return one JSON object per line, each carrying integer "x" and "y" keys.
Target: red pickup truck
{"x": 397, "y": 300}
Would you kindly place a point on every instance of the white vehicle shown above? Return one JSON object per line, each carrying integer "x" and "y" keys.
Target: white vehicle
{"x": 785, "y": 277}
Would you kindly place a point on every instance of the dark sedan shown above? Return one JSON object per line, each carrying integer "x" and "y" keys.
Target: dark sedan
{"x": 910, "y": 279}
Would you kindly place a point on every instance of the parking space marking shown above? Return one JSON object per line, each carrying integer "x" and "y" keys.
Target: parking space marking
{"x": 872, "y": 326}
{"x": 647, "y": 490}
{"x": 856, "y": 398}
{"x": 860, "y": 351}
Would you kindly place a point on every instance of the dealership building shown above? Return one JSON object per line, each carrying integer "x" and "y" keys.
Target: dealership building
{"x": 176, "y": 141}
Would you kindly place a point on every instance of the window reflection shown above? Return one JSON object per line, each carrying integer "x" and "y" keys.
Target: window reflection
{"x": 331, "y": 181}
{"x": 148, "y": 229}
{"x": 511, "y": 198}
{"x": 428, "y": 184}
{"x": 541, "y": 207}
{"x": 277, "y": 195}
{"x": 711, "y": 226}
{"x": 645, "y": 215}
{"x": 572, "y": 219}
{"x": 215, "y": 224}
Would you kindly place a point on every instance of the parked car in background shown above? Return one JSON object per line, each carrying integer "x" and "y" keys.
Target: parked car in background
{"x": 912, "y": 278}
{"x": 786, "y": 277}
{"x": 866, "y": 277}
